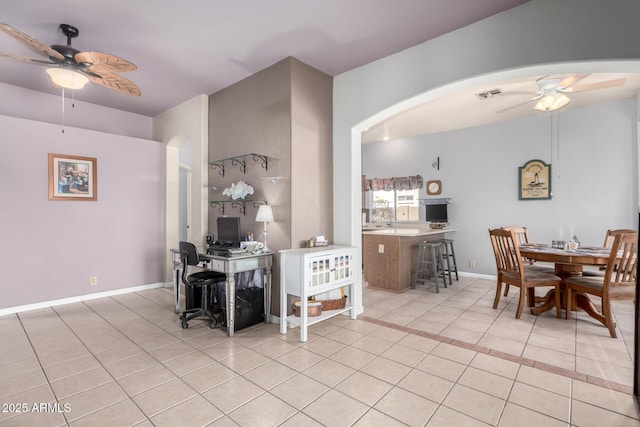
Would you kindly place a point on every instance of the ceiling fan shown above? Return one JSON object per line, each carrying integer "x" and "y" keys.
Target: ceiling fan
{"x": 553, "y": 89}
{"x": 72, "y": 69}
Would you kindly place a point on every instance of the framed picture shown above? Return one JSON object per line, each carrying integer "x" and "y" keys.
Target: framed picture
{"x": 72, "y": 178}
{"x": 534, "y": 180}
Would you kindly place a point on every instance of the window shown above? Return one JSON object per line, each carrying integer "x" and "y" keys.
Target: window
{"x": 395, "y": 205}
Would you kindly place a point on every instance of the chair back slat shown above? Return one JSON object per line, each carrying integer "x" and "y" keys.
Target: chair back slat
{"x": 520, "y": 233}
{"x": 506, "y": 251}
{"x": 608, "y": 238}
{"x": 521, "y": 237}
{"x": 623, "y": 259}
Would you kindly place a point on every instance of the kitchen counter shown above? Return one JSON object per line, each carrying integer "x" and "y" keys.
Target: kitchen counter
{"x": 406, "y": 232}
{"x": 389, "y": 255}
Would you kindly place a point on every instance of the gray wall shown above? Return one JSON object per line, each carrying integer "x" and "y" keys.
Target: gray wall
{"x": 592, "y": 156}
{"x": 284, "y": 112}
{"x": 311, "y": 154}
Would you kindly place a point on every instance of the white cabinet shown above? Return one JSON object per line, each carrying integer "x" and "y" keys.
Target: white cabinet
{"x": 311, "y": 271}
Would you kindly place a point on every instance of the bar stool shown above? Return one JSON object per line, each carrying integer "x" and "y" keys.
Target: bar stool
{"x": 429, "y": 265}
{"x": 449, "y": 256}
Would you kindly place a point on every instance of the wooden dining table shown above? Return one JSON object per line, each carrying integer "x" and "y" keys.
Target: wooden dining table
{"x": 567, "y": 263}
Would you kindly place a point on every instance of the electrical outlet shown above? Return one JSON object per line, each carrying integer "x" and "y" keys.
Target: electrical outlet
{"x": 472, "y": 264}
{"x": 380, "y": 248}
{"x": 93, "y": 280}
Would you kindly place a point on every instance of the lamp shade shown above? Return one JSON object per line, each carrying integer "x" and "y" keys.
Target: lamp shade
{"x": 265, "y": 214}
{"x": 552, "y": 101}
{"x": 67, "y": 78}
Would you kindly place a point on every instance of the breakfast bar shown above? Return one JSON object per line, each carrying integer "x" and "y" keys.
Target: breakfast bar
{"x": 389, "y": 255}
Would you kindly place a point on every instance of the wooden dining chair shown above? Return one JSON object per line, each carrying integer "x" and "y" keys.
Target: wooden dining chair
{"x": 618, "y": 281}
{"x": 608, "y": 241}
{"x": 511, "y": 271}
{"x": 522, "y": 237}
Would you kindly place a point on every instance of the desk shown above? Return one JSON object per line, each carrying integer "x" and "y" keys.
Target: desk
{"x": 229, "y": 266}
{"x": 567, "y": 263}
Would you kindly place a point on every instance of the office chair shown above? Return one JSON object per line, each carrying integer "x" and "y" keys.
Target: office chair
{"x": 201, "y": 279}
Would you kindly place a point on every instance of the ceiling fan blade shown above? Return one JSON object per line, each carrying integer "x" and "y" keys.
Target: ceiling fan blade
{"x": 104, "y": 63}
{"x": 32, "y": 43}
{"x": 570, "y": 81}
{"x": 519, "y": 104}
{"x": 115, "y": 82}
{"x": 519, "y": 92}
{"x": 26, "y": 59}
{"x": 598, "y": 85}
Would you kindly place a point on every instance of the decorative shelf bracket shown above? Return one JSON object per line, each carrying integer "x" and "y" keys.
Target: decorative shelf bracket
{"x": 240, "y": 162}
{"x": 241, "y": 205}
{"x": 218, "y": 164}
{"x": 264, "y": 160}
{"x": 219, "y": 205}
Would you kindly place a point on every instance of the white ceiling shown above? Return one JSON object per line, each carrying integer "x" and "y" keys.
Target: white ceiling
{"x": 191, "y": 47}
{"x": 462, "y": 108}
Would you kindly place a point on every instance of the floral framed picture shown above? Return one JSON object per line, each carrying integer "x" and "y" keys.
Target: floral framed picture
{"x": 72, "y": 178}
{"x": 534, "y": 180}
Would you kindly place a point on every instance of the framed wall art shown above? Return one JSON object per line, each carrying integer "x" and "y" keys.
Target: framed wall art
{"x": 534, "y": 179}
{"x": 72, "y": 178}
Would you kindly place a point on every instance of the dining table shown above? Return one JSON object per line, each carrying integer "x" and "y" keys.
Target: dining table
{"x": 567, "y": 263}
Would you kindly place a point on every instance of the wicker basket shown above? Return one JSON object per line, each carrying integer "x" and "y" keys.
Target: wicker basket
{"x": 313, "y": 308}
{"x": 333, "y": 304}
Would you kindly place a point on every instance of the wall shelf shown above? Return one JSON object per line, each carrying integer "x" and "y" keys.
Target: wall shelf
{"x": 235, "y": 204}
{"x": 240, "y": 162}
{"x": 435, "y": 201}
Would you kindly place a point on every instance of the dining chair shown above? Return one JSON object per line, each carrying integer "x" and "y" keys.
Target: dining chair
{"x": 522, "y": 237}
{"x": 608, "y": 240}
{"x": 511, "y": 271}
{"x": 617, "y": 283}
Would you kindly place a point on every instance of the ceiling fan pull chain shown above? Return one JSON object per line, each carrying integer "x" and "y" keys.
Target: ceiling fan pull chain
{"x": 63, "y": 110}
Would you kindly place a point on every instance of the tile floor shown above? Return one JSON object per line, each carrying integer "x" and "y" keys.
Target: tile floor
{"x": 125, "y": 360}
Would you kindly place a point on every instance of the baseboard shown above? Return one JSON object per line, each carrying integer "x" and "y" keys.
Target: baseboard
{"x": 477, "y": 275}
{"x": 80, "y": 298}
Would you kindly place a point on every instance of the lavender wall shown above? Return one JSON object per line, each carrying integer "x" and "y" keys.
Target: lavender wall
{"x": 50, "y": 248}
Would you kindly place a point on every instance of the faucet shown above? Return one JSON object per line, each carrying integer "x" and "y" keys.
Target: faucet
{"x": 389, "y": 223}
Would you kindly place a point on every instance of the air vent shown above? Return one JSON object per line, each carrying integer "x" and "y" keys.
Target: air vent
{"x": 489, "y": 93}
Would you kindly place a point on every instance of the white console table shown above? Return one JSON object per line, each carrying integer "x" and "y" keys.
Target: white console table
{"x": 311, "y": 271}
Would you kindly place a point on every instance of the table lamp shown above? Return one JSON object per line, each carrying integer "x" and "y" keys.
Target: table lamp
{"x": 265, "y": 215}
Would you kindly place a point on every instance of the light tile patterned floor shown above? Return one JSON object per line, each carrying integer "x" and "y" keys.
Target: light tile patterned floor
{"x": 416, "y": 359}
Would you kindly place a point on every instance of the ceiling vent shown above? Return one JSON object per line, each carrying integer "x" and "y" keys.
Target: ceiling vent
{"x": 489, "y": 93}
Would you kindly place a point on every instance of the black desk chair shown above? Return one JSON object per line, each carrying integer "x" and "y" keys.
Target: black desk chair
{"x": 203, "y": 279}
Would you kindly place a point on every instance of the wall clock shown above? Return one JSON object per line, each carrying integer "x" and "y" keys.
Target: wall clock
{"x": 434, "y": 187}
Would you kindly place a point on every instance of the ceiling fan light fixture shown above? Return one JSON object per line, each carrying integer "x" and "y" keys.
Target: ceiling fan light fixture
{"x": 552, "y": 101}
{"x": 67, "y": 78}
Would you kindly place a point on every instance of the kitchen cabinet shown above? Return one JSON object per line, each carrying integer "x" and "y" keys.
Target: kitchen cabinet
{"x": 389, "y": 255}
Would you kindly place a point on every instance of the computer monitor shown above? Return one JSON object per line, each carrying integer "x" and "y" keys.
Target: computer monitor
{"x": 436, "y": 213}
{"x": 228, "y": 229}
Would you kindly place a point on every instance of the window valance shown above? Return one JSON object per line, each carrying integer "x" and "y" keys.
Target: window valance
{"x": 396, "y": 183}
